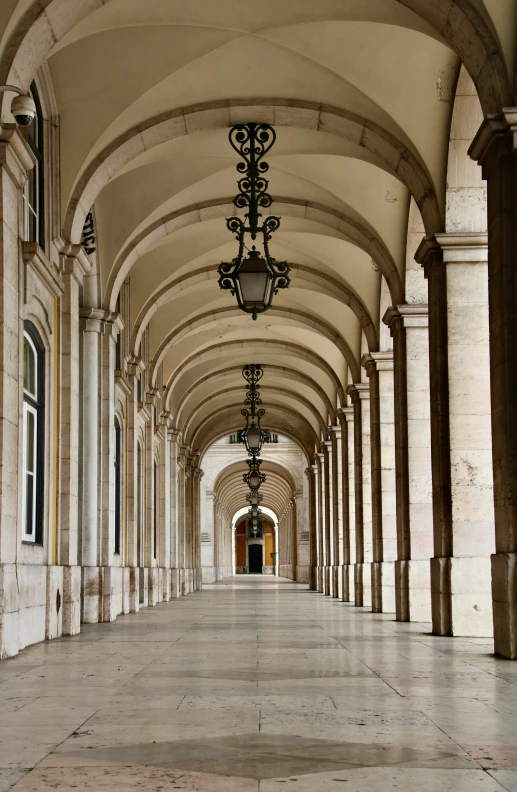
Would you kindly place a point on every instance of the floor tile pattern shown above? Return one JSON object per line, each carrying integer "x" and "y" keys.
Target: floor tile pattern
{"x": 251, "y": 684}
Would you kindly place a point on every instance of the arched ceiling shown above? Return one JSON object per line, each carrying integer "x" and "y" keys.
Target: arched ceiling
{"x": 277, "y": 490}
{"x": 360, "y": 95}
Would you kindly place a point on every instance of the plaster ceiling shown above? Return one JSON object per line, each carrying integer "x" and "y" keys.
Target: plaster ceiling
{"x": 360, "y": 94}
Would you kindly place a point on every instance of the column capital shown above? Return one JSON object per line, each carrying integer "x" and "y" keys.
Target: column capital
{"x": 15, "y": 154}
{"x": 95, "y": 320}
{"x": 401, "y": 316}
{"x": 34, "y": 257}
{"x": 358, "y": 392}
{"x": 346, "y": 414}
{"x": 173, "y": 434}
{"x": 74, "y": 261}
{"x": 336, "y": 430}
{"x": 378, "y": 361}
{"x": 464, "y": 248}
{"x": 429, "y": 254}
{"x": 309, "y": 471}
{"x": 151, "y": 396}
{"x": 135, "y": 366}
{"x": 497, "y": 136}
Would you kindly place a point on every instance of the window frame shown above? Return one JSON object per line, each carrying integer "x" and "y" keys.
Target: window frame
{"x": 34, "y": 405}
{"x": 35, "y": 177}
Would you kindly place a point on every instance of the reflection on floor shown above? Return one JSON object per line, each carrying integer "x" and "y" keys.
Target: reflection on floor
{"x": 253, "y": 683}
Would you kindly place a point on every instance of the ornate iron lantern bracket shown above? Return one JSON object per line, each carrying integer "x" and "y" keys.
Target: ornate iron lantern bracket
{"x": 256, "y": 279}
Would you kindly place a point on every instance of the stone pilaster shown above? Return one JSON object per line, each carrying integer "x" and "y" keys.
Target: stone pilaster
{"x": 346, "y": 416}
{"x": 336, "y": 448}
{"x": 409, "y": 328}
{"x": 456, "y": 268}
{"x": 330, "y": 515}
{"x": 313, "y": 537}
{"x": 360, "y": 395}
{"x": 321, "y": 519}
{"x": 379, "y": 368}
{"x": 15, "y": 161}
{"x": 495, "y": 149}
{"x": 74, "y": 264}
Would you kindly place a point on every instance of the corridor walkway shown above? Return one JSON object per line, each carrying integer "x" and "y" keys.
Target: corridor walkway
{"x": 253, "y": 683}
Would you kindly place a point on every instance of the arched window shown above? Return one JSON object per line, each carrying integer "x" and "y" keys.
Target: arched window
{"x": 34, "y": 188}
{"x": 33, "y": 435}
{"x": 118, "y": 480}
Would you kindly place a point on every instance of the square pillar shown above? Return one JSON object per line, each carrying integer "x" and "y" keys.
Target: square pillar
{"x": 337, "y": 504}
{"x": 495, "y": 149}
{"x": 379, "y": 368}
{"x": 360, "y": 395}
{"x": 346, "y": 416}
{"x": 409, "y": 328}
{"x": 457, "y": 270}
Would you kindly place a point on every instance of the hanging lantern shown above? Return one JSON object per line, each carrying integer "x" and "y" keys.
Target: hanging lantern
{"x": 256, "y": 278}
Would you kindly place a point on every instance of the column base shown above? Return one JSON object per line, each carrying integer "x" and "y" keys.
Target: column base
{"x": 362, "y": 585}
{"x": 339, "y": 581}
{"x": 313, "y": 578}
{"x": 175, "y": 591}
{"x": 134, "y": 589}
{"x": 71, "y": 600}
{"x": 326, "y": 581}
{"x": 383, "y": 587}
{"x": 320, "y": 579}
{"x": 504, "y": 593}
{"x": 333, "y": 581}
{"x": 460, "y": 596}
{"x": 347, "y": 573}
{"x": 413, "y": 590}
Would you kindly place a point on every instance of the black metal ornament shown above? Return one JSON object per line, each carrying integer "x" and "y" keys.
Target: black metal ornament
{"x": 256, "y": 279}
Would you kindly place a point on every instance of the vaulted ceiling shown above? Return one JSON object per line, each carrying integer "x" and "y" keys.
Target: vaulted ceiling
{"x": 360, "y": 94}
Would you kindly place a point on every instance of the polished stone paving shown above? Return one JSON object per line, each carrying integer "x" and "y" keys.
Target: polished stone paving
{"x": 254, "y": 683}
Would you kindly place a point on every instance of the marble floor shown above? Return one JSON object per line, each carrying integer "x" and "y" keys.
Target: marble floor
{"x": 251, "y": 684}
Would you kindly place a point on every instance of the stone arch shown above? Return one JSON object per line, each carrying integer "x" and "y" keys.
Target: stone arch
{"x": 348, "y": 296}
{"x": 295, "y": 349}
{"x": 292, "y": 314}
{"x": 238, "y": 389}
{"x": 281, "y": 408}
{"x": 361, "y": 235}
{"x": 464, "y": 24}
{"x": 285, "y": 372}
{"x": 395, "y": 155}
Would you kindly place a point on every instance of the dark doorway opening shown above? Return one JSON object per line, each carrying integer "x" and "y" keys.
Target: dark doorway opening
{"x": 255, "y": 559}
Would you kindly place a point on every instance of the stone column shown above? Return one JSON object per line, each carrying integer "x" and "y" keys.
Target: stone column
{"x": 337, "y": 510}
{"x": 310, "y": 472}
{"x": 462, "y": 448}
{"x": 182, "y": 462}
{"x": 105, "y": 580}
{"x": 495, "y": 149}
{"x": 409, "y": 328}
{"x": 321, "y": 519}
{"x": 349, "y": 541}
{"x": 360, "y": 395}
{"x": 91, "y": 324}
{"x": 331, "y": 515}
{"x": 379, "y": 367}
{"x": 15, "y": 161}
{"x": 75, "y": 264}
{"x": 326, "y": 498}
{"x": 196, "y": 529}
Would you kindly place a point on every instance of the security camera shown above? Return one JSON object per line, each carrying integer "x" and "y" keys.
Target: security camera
{"x": 22, "y": 106}
{"x": 23, "y": 110}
